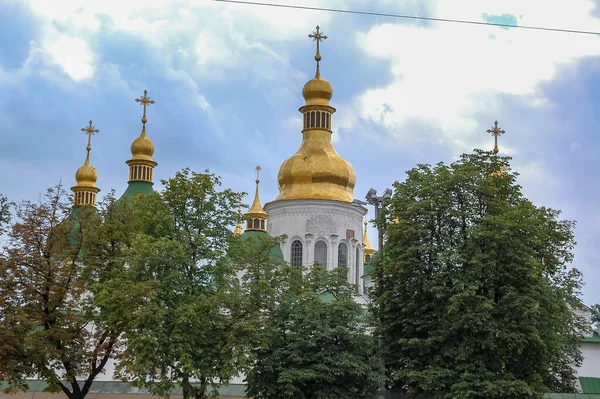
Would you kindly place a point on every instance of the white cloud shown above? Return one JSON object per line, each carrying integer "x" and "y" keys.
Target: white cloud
{"x": 73, "y": 55}
{"x": 205, "y": 40}
{"x": 448, "y": 73}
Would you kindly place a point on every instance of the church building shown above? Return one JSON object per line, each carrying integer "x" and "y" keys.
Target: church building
{"x": 315, "y": 212}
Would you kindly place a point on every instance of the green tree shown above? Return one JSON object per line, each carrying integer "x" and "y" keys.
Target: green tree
{"x": 595, "y": 314}
{"x": 314, "y": 342}
{"x": 474, "y": 293}
{"x": 264, "y": 279}
{"x": 175, "y": 301}
{"x": 5, "y": 214}
{"x": 49, "y": 324}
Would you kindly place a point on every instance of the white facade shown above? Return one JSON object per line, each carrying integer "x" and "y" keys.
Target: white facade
{"x": 590, "y": 347}
{"x": 312, "y": 223}
{"x": 591, "y": 360}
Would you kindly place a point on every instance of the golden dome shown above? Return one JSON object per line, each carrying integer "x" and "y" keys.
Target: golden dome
{"x": 85, "y": 190}
{"x": 238, "y": 227}
{"x": 142, "y": 148}
{"x": 317, "y": 91}
{"x": 316, "y": 170}
{"x": 256, "y": 216}
{"x": 86, "y": 175}
{"x": 369, "y": 250}
{"x": 141, "y": 164}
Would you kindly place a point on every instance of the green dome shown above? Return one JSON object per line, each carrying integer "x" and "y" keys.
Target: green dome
{"x": 274, "y": 252}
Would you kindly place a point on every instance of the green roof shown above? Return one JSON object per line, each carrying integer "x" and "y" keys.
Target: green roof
{"x": 255, "y": 235}
{"x": 571, "y": 396}
{"x": 368, "y": 269}
{"x": 594, "y": 339}
{"x": 135, "y": 187}
{"x": 590, "y": 385}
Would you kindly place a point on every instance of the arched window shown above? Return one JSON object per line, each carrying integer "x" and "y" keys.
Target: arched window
{"x": 318, "y": 119}
{"x": 249, "y": 224}
{"x": 321, "y": 253}
{"x": 367, "y": 258}
{"x": 256, "y": 224}
{"x": 312, "y": 119}
{"x": 262, "y": 224}
{"x": 358, "y": 273}
{"x": 342, "y": 255}
{"x": 305, "y": 120}
{"x": 296, "y": 254}
{"x": 323, "y": 119}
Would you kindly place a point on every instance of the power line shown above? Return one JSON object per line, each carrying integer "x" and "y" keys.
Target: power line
{"x": 379, "y": 14}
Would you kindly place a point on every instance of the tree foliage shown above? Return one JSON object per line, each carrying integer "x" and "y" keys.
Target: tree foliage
{"x": 474, "y": 293}
{"x": 595, "y": 314}
{"x": 49, "y": 324}
{"x": 314, "y": 342}
{"x": 5, "y": 214}
{"x": 175, "y": 301}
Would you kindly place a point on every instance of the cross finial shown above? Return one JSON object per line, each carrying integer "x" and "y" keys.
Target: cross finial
{"x": 257, "y": 169}
{"x": 145, "y": 101}
{"x": 318, "y": 37}
{"x": 89, "y": 130}
{"x": 495, "y": 132}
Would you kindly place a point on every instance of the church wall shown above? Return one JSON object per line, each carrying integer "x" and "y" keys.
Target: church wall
{"x": 311, "y": 221}
{"x": 591, "y": 360}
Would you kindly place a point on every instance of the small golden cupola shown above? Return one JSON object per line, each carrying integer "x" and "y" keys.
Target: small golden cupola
{"x": 368, "y": 248}
{"x": 256, "y": 217}
{"x": 141, "y": 164}
{"x": 316, "y": 171}
{"x": 86, "y": 176}
{"x": 238, "y": 227}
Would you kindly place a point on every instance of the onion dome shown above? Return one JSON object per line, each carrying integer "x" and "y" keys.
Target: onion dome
{"x": 256, "y": 217}
{"x": 317, "y": 91}
{"x": 141, "y": 164}
{"x": 86, "y": 176}
{"x": 316, "y": 171}
{"x": 142, "y": 148}
{"x": 368, "y": 248}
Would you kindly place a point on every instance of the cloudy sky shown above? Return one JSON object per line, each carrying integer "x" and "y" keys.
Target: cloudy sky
{"x": 227, "y": 81}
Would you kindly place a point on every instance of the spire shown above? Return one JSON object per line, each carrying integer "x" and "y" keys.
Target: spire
{"x": 238, "y": 227}
{"x": 256, "y": 216}
{"x": 141, "y": 164}
{"x": 318, "y": 91}
{"x": 318, "y": 37}
{"x": 495, "y": 131}
{"x": 85, "y": 190}
{"x": 368, "y": 248}
{"x": 317, "y": 171}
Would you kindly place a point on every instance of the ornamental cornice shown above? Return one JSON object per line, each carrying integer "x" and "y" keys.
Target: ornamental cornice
{"x": 301, "y": 207}
{"x": 310, "y": 213}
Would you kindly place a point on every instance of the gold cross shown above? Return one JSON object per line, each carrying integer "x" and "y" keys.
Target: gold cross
{"x": 89, "y": 130}
{"x": 495, "y": 132}
{"x": 145, "y": 101}
{"x": 318, "y": 37}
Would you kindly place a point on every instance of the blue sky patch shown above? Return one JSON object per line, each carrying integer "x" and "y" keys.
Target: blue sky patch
{"x": 504, "y": 19}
